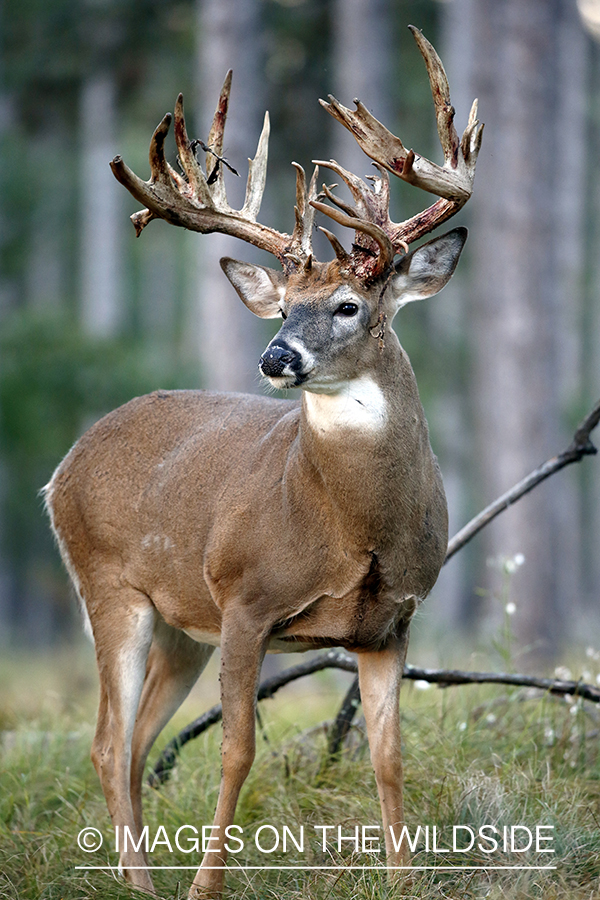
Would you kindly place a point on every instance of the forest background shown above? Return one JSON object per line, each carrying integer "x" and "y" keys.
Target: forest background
{"x": 506, "y": 358}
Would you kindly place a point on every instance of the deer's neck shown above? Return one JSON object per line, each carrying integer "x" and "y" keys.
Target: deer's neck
{"x": 359, "y": 404}
{"x": 365, "y": 451}
{"x": 369, "y": 409}
{"x": 368, "y": 441}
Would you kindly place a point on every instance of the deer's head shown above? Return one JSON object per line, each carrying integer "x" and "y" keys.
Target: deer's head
{"x": 335, "y": 322}
{"x": 336, "y": 314}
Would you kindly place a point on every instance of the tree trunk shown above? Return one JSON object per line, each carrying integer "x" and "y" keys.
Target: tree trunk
{"x": 591, "y": 357}
{"x": 573, "y": 84}
{"x": 449, "y": 321}
{"x": 518, "y": 309}
{"x": 361, "y": 54}
{"x": 229, "y": 338}
{"x": 101, "y": 233}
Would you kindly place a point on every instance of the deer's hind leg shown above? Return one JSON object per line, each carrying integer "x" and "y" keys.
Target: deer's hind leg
{"x": 175, "y": 663}
{"x": 123, "y": 621}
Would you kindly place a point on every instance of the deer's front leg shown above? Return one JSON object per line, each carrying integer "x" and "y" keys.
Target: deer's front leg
{"x": 380, "y": 675}
{"x": 242, "y": 652}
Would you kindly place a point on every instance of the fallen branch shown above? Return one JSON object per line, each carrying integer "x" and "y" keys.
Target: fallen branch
{"x": 580, "y": 446}
{"x": 558, "y": 686}
{"x": 338, "y": 659}
{"x": 343, "y": 721}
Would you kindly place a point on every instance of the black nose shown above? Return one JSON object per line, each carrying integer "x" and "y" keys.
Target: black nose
{"x": 275, "y": 359}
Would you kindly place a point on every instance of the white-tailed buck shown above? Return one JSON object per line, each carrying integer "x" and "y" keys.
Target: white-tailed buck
{"x": 190, "y": 520}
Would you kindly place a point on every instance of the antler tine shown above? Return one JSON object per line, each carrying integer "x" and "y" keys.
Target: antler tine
{"x": 470, "y": 143}
{"x": 300, "y": 207}
{"x": 304, "y": 213}
{"x": 257, "y": 174}
{"x": 386, "y": 248}
{"x": 156, "y": 155}
{"x": 215, "y": 142}
{"x": 299, "y": 211}
{"x": 355, "y": 185}
{"x": 309, "y": 212}
{"x": 217, "y": 130}
{"x": 341, "y": 254}
{"x": 371, "y": 204}
{"x": 309, "y": 215}
{"x": 142, "y": 218}
{"x": 345, "y": 207}
{"x": 195, "y": 176}
{"x": 440, "y": 91}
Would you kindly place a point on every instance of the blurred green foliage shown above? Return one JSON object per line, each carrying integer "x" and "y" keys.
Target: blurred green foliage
{"x": 55, "y": 381}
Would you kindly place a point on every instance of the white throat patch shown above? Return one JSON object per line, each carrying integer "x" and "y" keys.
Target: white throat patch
{"x": 358, "y": 403}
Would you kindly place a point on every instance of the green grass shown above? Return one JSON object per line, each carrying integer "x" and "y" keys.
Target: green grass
{"x": 472, "y": 755}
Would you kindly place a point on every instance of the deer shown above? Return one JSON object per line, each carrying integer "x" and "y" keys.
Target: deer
{"x": 190, "y": 520}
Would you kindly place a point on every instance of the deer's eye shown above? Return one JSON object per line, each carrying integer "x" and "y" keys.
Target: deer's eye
{"x": 347, "y": 309}
{"x": 283, "y": 315}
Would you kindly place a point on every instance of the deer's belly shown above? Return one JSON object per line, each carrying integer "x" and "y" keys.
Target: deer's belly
{"x": 359, "y": 621}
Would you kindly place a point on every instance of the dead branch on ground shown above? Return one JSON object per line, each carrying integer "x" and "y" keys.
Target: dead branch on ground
{"x": 339, "y": 659}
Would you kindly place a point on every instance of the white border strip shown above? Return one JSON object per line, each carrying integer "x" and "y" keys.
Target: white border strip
{"x": 337, "y": 868}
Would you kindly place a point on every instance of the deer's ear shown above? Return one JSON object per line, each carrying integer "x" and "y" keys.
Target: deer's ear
{"x": 260, "y": 288}
{"x": 427, "y": 269}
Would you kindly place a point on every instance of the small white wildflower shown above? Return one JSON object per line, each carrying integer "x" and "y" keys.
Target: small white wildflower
{"x": 490, "y": 718}
{"x": 511, "y": 563}
{"x": 574, "y": 709}
{"x": 422, "y": 685}
{"x": 598, "y": 678}
{"x": 549, "y": 736}
{"x": 586, "y": 675}
{"x": 563, "y": 673}
{"x": 590, "y": 652}
{"x": 462, "y": 726}
{"x": 510, "y": 608}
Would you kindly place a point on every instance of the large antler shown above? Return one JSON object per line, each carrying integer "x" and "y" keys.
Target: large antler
{"x": 199, "y": 202}
{"x": 453, "y": 182}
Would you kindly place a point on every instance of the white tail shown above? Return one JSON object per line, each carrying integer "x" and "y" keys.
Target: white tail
{"x": 190, "y": 520}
